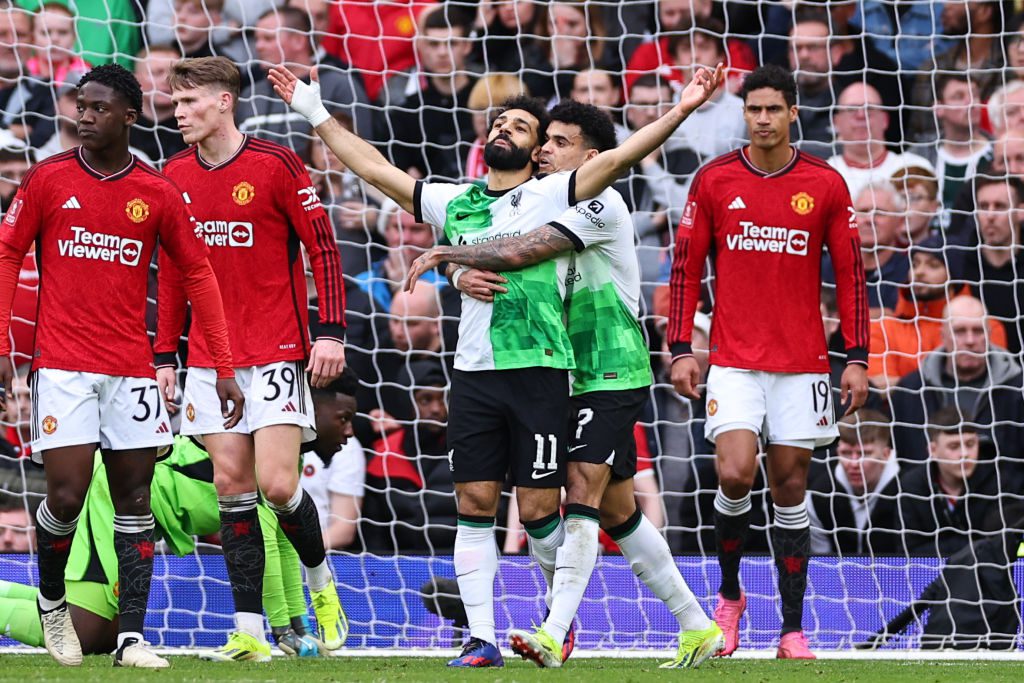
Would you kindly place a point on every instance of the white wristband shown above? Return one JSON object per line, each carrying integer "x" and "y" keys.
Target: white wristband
{"x": 318, "y": 116}
{"x": 455, "y": 277}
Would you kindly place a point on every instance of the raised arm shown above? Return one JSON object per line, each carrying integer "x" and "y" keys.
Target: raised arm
{"x": 512, "y": 253}
{"x": 598, "y": 173}
{"x": 357, "y": 154}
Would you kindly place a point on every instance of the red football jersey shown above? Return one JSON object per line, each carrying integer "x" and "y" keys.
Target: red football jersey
{"x": 95, "y": 237}
{"x": 765, "y": 232}
{"x": 254, "y": 209}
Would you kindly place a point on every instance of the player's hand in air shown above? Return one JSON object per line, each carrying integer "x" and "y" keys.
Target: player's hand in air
{"x": 228, "y": 392}
{"x": 700, "y": 89}
{"x": 481, "y": 285}
{"x": 686, "y": 377}
{"x": 167, "y": 380}
{"x": 303, "y": 98}
{"x": 326, "y": 361}
{"x": 853, "y": 387}
{"x": 424, "y": 263}
{"x": 6, "y": 381}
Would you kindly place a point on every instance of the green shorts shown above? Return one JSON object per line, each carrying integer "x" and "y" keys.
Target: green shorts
{"x": 97, "y": 598}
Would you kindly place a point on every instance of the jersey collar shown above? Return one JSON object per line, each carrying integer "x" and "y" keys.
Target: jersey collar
{"x": 758, "y": 172}
{"x": 100, "y": 176}
{"x": 213, "y": 167}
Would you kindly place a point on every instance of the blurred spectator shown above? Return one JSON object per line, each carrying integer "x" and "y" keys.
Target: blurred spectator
{"x": 205, "y": 27}
{"x": 880, "y": 209}
{"x": 66, "y": 135}
{"x": 860, "y": 123}
{"x": 898, "y": 342}
{"x": 283, "y": 37}
{"x": 194, "y": 24}
{"x": 156, "y": 133}
{"x": 415, "y": 320}
{"x": 676, "y": 16}
{"x": 486, "y": 94}
{"x": 811, "y": 58}
{"x": 954, "y": 499}
{"x": 54, "y": 37}
{"x": 507, "y": 38}
{"x": 921, "y": 193}
{"x": 961, "y": 144}
{"x": 1006, "y": 107}
{"x": 575, "y": 40}
{"x": 15, "y": 48}
{"x": 431, "y": 133}
{"x": 410, "y": 498}
{"x": 908, "y": 33}
{"x": 996, "y": 269}
{"x": 853, "y": 503}
{"x": 982, "y": 382}
{"x": 376, "y": 39}
{"x": 319, "y": 16}
{"x": 976, "y": 29}
{"x": 334, "y": 472}
{"x": 1007, "y": 159}
{"x": 17, "y": 532}
{"x": 15, "y": 160}
{"x": 599, "y": 88}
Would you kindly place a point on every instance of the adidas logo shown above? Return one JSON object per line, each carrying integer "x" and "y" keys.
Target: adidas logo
{"x": 289, "y": 408}
{"x": 737, "y": 204}
{"x": 163, "y": 428}
{"x": 71, "y": 203}
{"x": 823, "y": 422}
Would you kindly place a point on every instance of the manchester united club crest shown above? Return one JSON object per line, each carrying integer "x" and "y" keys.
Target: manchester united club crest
{"x": 49, "y": 424}
{"x": 137, "y": 210}
{"x": 802, "y": 203}
{"x": 190, "y": 412}
{"x": 243, "y": 193}
{"x": 712, "y": 407}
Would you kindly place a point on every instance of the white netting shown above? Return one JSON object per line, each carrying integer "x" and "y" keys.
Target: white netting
{"x": 917, "y": 103}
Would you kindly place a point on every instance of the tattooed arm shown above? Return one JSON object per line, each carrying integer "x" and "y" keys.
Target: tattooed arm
{"x": 511, "y": 253}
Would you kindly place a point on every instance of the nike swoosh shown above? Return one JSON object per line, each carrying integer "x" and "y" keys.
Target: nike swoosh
{"x": 534, "y": 474}
{"x": 576, "y": 448}
{"x": 462, "y": 216}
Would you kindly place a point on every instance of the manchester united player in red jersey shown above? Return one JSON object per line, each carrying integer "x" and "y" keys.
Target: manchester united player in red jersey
{"x": 764, "y": 212}
{"x": 255, "y": 204}
{"x": 95, "y": 213}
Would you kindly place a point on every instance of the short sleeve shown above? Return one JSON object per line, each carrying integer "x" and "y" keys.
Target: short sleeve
{"x": 180, "y": 235}
{"x": 347, "y": 474}
{"x": 559, "y": 189}
{"x": 592, "y": 222}
{"x": 430, "y": 201}
{"x": 21, "y": 223}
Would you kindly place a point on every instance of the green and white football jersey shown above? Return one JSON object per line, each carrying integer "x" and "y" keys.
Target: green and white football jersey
{"x": 524, "y": 327}
{"x": 604, "y": 297}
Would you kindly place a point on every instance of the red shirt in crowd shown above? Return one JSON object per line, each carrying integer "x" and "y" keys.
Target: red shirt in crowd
{"x": 765, "y": 233}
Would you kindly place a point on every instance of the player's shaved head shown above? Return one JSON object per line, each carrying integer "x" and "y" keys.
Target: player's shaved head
{"x": 118, "y": 79}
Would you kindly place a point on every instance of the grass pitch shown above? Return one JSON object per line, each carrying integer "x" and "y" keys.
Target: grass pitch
{"x": 379, "y": 670}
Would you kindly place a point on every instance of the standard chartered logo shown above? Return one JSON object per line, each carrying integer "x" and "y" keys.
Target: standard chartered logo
{"x": 100, "y": 246}
{"x": 226, "y": 233}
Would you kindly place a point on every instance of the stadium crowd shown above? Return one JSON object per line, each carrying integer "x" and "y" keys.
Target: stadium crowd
{"x": 919, "y": 105}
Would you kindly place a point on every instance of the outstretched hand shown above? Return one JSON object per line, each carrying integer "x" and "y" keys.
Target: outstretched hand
{"x": 303, "y": 98}
{"x": 424, "y": 263}
{"x": 700, "y": 89}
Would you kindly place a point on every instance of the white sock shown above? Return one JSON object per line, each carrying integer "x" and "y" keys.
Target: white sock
{"x": 651, "y": 560}
{"x": 550, "y": 533}
{"x": 575, "y": 563}
{"x": 476, "y": 565}
{"x": 318, "y": 577}
{"x": 251, "y": 623}
{"x": 121, "y": 637}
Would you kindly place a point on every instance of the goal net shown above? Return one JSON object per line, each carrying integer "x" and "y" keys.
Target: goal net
{"x": 919, "y": 105}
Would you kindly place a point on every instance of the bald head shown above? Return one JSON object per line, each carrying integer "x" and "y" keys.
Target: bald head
{"x": 964, "y": 336}
{"x": 415, "y": 321}
{"x": 859, "y": 115}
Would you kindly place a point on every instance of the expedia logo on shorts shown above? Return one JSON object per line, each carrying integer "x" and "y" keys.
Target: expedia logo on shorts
{"x": 99, "y": 246}
{"x": 226, "y": 233}
{"x": 775, "y": 240}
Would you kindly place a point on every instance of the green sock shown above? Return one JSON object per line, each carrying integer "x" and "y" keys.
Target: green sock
{"x": 20, "y": 620}
{"x": 19, "y": 591}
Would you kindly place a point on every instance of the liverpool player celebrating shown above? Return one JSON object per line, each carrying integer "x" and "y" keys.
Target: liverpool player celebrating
{"x": 254, "y": 203}
{"x": 510, "y": 389}
{"x": 95, "y": 213}
{"x": 765, "y": 211}
{"x": 609, "y": 391}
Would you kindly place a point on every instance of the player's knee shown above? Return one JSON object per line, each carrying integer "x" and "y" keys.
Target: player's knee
{"x": 279, "y": 492}
{"x": 132, "y": 500}
{"x": 790, "y": 488}
{"x": 735, "y": 480}
{"x": 583, "y": 492}
{"x": 611, "y": 518}
{"x": 230, "y": 483}
{"x": 477, "y": 502}
{"x": 65, "y": 503}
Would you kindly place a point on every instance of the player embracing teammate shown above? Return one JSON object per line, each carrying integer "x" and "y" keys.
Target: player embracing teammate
{"x": 764, "y": 212}
{"x": 254, "y": 205}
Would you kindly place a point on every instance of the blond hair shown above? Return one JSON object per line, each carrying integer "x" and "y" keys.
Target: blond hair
{"x": 200, "y": 72}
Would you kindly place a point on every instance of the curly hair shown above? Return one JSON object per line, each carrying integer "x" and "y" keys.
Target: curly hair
{"x": 118, "y": 79}
{"x": 770, "y": 76}
{"x": 531, "y": 105}
{"x": 595, "y": 125}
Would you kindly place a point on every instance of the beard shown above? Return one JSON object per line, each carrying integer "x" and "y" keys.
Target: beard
{"x": 501, "y": 159}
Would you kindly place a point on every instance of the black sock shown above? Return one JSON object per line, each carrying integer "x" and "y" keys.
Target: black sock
{"x": 791, "y": 547}
{"x": 244, "y": 553}
{"x": 53, "y": 539}
{"x": 300, "y": 522}
{"x": 134, "y": 539}
{"x": 730, "y": 538}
